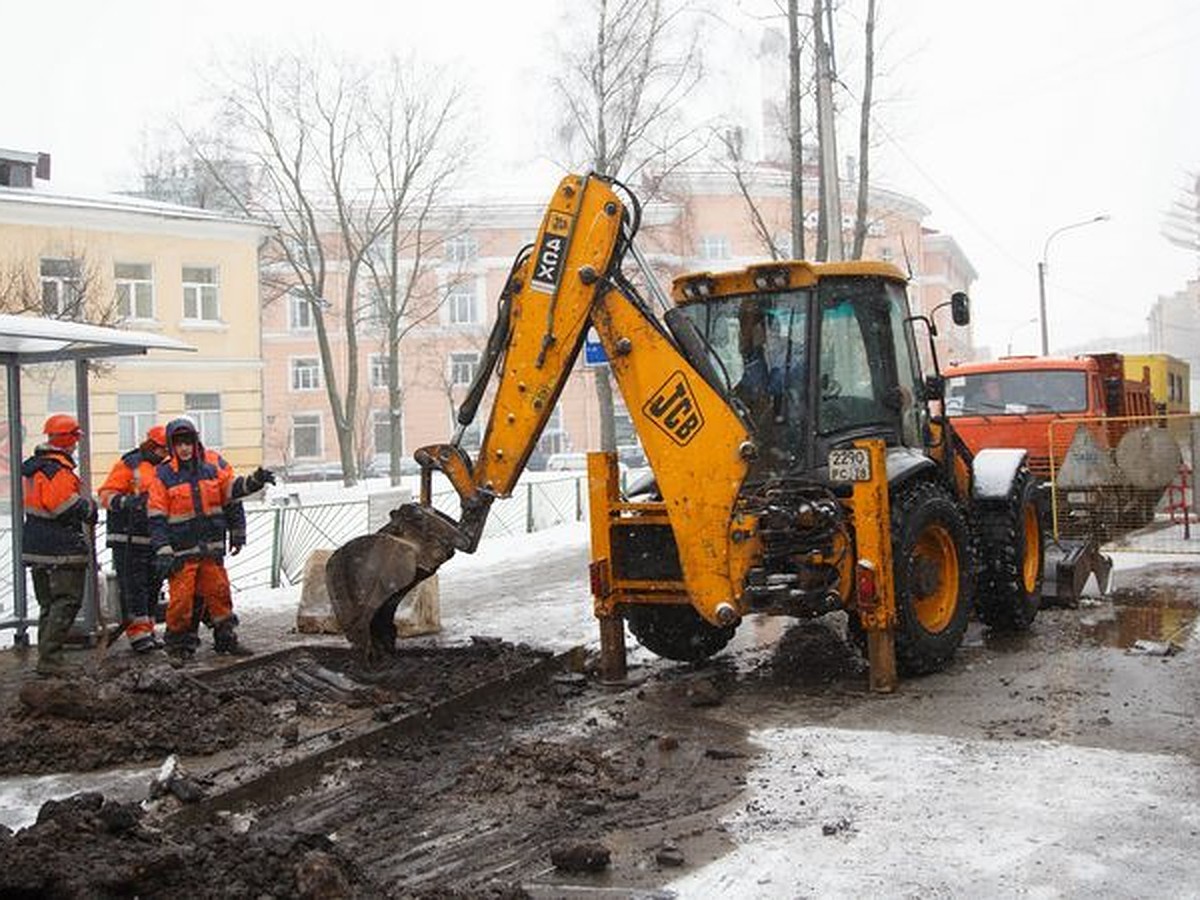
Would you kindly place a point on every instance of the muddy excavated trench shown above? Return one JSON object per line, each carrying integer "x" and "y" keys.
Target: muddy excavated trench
{"x": 498, "y": 770}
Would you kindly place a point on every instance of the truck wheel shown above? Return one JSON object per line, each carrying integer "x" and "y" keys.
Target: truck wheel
{"x": 933, "y": 567}
{"x": 677, "y": 632}
{"x": 1011, "y": 564}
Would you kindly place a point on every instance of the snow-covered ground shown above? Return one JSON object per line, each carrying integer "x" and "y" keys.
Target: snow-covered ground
{"x": 841, "y": 813}
{"x": 22, "y": 796}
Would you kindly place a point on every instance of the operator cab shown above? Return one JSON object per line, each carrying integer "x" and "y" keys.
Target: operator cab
{"x": 813, "y": 356}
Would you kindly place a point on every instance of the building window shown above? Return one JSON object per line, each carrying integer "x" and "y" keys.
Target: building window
{"x": 135, "y": 290}
{"x": 887, "y": 254}
{"x": 462, "y": 305}
{"x": 306, "y": 373}
{"x": 62, "y": 287}
{"x": 463, "y": 367}
{"x": 381, "y": 432}
{"x": 136, "y": 413}
{"x": 200, "y": 301}
{"x": 380, "y": 368}
{"x": 461, "y": 248}
{"x": 714, "y": 246}
{"x": 205, "y": 411}
{"x": 783, "y": 243}
{"x": 306, "y": 436}
{"x": 300, "y": 313}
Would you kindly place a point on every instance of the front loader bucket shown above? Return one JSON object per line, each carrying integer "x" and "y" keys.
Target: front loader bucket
{"x": 367, "y": 578}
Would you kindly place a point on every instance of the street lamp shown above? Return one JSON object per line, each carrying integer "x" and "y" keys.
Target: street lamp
{"x": 1031, "y": 320}
{"x": 1103, "y": 217}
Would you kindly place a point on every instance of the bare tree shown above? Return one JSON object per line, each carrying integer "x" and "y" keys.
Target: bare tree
{"x": 795, "y": 131}
{"x": 864, "y": 133}
{"x": 742, "y": 172}
{"x": 61, "y": 283}
{"x": 622, "y": 89}
{"x": 308, "y": 127}
{"x": 415, "y": 155}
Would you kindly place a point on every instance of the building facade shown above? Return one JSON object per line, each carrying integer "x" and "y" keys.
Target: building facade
{"x": 187, "y": 273}
{"x": 706, "y": 225}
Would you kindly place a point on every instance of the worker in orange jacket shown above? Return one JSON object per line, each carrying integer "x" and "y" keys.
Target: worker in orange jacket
{"x": 56, "y": 544}
{"x": 194, "y": 508}
{"x": 125, "y": 495}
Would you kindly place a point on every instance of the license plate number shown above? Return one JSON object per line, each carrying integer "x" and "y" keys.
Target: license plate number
{"x": 849, "y": 465}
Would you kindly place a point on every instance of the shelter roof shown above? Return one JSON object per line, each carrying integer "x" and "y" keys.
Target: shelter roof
{"x": 34, "y": 339}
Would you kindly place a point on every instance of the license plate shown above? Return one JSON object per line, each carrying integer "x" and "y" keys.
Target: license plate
{"x": 849, "y": 465}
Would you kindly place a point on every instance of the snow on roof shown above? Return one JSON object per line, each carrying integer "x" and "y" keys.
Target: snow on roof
{"x": 34, "y": 336}
{"x": 122, "y": 203}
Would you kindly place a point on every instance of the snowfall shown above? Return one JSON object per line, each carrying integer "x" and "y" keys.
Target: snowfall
{"x": 1009, "y": 818}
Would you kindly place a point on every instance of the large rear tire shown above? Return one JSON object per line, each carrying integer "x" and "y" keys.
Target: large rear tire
{"x": 677, "y": 632}
{"x": 933, "y": 575}
{"x": 1012, "y": 557}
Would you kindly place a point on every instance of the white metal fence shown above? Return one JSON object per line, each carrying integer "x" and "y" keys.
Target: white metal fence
{"x": 280, "y": 538}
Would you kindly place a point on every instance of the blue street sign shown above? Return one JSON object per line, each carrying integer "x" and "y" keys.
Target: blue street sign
{"x": 593, "y": 350}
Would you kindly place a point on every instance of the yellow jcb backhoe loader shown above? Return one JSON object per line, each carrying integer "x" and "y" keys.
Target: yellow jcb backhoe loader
{"x": 797, "y": 467}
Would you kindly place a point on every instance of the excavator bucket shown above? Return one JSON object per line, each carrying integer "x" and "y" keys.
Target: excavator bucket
{"x": 370, "y": 576}
{"x": 367, "y": 578}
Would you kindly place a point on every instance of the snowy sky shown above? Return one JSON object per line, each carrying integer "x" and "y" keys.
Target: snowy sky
{"x": 1008, "y": 120}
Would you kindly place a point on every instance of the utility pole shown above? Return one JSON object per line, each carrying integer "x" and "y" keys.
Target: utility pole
{"x": 830, "y": 238}
{"x": 795, "y": 135}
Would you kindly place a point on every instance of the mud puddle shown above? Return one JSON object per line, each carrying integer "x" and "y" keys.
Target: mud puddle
{"x": 1156, "y": 613}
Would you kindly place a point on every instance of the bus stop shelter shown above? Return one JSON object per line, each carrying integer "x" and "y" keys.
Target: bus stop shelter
{"x": 31, "y": 340}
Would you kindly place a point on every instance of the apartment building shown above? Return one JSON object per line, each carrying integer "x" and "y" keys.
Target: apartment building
{"x": 706, "y": 225}
{"x": 190, "y": 274}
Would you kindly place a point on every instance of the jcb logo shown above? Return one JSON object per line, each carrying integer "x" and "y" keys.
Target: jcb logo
{"x": 673, "y": 408}
{"x": 548, "y": 266}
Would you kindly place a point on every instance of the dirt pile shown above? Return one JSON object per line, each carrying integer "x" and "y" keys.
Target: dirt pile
{"x": 86, "y": 846}
{"x": 145, "y": 714}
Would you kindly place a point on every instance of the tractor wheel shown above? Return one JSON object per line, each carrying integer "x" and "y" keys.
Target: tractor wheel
{"x": 676, "y": 632}
{"x": 1011, "y": 557}
{"x": 933, "y": 566}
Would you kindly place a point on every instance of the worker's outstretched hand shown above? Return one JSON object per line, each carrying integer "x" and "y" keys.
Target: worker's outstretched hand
{"x": 259, "y": 478}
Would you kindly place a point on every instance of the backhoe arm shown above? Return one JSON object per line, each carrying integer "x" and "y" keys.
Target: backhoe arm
{"x": 693, "y": 439}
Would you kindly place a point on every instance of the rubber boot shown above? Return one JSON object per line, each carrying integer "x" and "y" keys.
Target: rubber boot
{"x": 59, "y": 594}
{"x": 180, "y": 648}
{"x": 225, "y": 639}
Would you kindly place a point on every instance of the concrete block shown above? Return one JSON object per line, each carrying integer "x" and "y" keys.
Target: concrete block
{"x": 419, "y": 613}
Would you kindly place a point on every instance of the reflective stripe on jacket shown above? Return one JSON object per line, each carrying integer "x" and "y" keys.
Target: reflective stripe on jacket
{"x": 130, "y": 475}
{"x": 193, "y": 504}
{"x": 55, "y": 510}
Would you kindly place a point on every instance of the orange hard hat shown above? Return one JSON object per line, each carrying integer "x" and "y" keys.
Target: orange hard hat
{"x": 63, "y": 430}
{"x": 157, "y": 434}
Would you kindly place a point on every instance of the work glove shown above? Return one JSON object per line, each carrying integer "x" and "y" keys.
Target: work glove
{"x": 88, "y": 510}
{"x": 164, "y": 565}
{"x": 129, "y": 502}
{"x": 235, "y": 548}
{"x": 259, "y": 478}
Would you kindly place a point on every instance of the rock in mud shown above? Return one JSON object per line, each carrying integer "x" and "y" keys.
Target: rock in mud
{"x": 85, "y": 802}
{"x": 669, "y": 856}
{"x": 589, "y": 856}
{"x": 161, "y": 679}
{"x": 319, "y": 876}
{"x": 290, "y": 733}
{"x": 119, "y": 818}
{"x": 76, "y": 700}
{"x": 703, "y": 693}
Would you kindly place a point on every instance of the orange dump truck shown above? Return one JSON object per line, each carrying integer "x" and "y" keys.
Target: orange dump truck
{"x": 1020, "y": 401}
{"x": 1095, "y": 436}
